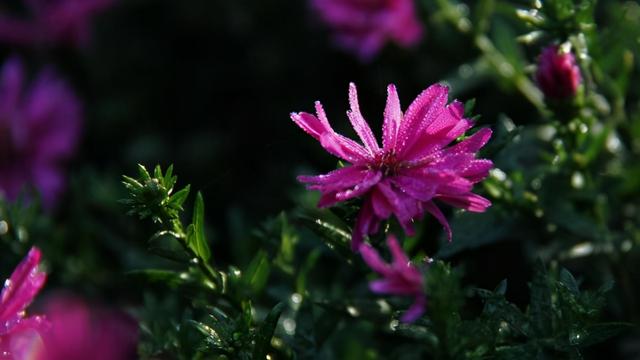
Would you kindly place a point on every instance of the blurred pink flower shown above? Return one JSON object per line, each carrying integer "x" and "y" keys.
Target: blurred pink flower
{"x": 399, "y": 278}
{"x": 413, "y": 167}
{"x": 558, "y": 75}
{"x": 39, "y": 129}
{"x": 18, "y": 333}
{"x": 81, "y": 332}
{"x": 363, "y": 26}
{"x": 53, "y": 22}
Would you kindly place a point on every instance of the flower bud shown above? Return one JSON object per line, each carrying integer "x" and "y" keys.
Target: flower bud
{"x": 558, "y": 75}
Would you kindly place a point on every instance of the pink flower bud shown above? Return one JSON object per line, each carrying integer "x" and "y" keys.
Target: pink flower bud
{"x": 558, "y": 75}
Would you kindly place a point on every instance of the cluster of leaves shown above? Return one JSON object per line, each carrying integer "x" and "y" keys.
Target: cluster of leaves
{"x": 217, "y": 303}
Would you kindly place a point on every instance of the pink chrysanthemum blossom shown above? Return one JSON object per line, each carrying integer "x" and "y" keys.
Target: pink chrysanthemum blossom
{"x": 53, "y": 22}
{"x": 413, "y": 167}
{"x": 363, "y": 26}
{"x": 558, "y": 75}
{"x": 399, "y": 278}
{"x": 39, "y": 128}
{"x": 80, "y": 331}
{"x": 17, "y": 331}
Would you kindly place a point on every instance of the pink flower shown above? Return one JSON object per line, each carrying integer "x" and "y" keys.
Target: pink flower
{"x": 399, "y": 278}
{"x": 363, "y": 26}
{"x": 81, "y": 332}
{"x": 558, "y": 75}
{"x": 39, "y": 128}
{"x": 413, "y": 167}
{"x": 53, "y": 22}
{"x": 19, "y": 333}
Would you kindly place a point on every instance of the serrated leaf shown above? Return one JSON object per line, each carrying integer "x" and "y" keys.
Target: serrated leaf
{"x": 265, "y": 332}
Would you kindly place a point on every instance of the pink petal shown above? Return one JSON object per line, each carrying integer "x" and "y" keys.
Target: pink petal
{"x": 415, "y": 187}
{"x": 473, "y": 143}
{"x": 477, "y": 170}
{"x": 470, "y": 201}
{"x": 403, "y": 207}
{"x": 370, "y": 180}
{"x": 435, "y": 211}
{"x": 392, "y": 119}
{"x": 373, "y": 260}
{"x": 20, "y": 289}
{"x": 359, "y": 123}
{"x": 366, "y": 223}
{"x": 400, "y": 259}
{"x": 424, "y": 109}
{"x": 416, "y": 310}
{"x": 11, "y": 81}
{"x": 335, "y": 144}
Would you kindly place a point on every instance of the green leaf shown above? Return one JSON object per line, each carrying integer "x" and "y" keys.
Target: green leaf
{"x": 177, "y": 199}
{"x": 195, "y": 232}
{"x": 600, "y": 332}
{"x": 257, "y": 273}
{"x": 265, "y": 332}
{"x": 569, "y": 282}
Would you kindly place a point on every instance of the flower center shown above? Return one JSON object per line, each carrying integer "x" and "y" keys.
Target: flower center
{"x": 388, "y": 164}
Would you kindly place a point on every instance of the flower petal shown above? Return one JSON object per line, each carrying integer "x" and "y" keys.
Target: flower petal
{"x": 359, "y": 123}
{"x": 366, "y": 223}
{"x": 335, "y": 144}
{"x": 20, "y": 289}
{"x": 416, "y": 310}
{"x": 373, "y": 259}
{"x": 471, "y": 202}
{"x": 392, "y": 119}
{"x": 400, "y": 259}
{"x": 422, "y": 111}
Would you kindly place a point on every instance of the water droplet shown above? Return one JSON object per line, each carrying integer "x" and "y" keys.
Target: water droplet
{"x": 353, "y": 311}
{"x": 498, "y": 174}
{"x": 289, "y": 326}
{"x": 577, "y": 180}
{"x": 393, "y": 325}
{"x": 4, "y": 227}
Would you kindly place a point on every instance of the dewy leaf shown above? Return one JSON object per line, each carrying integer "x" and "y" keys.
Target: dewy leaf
{"x": 198, "y": 240}
{"x": 265, "y": 332}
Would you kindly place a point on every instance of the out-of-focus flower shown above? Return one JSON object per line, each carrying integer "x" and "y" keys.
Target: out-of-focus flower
{"x": 558, "y": 75}
{"x": 400, "y": 277}
{"x": 19, "y": 334}
{"x": 80, "y": 332}
{"x": 39, "y": 129}
{"x": 53, "y": 22}
{"x": 414, "y": 166}
{"x": 364, "y": 26}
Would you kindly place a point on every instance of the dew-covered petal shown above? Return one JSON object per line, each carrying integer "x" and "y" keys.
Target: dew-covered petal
{"x": 473, "y": 143}
{"x": 359, "y": 123}
{"x": 335, "y": 144}
{"x": 470, "y": 201}
{"x": 435, "y": 211}
{"x": 370, "y": 180}
{"x": 424, "y": 109}
{"x": 20, "y": 289}
{"x": 477, "y": 170}
{"x": 392, "y": 119}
